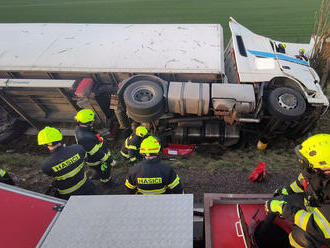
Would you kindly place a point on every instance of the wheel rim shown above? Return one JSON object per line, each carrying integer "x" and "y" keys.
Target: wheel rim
{"x": 288, "y": 101}
{"x": 143, "y": 95}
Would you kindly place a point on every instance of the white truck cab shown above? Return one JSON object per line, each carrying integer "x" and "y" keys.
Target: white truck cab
{"x": 258, "y": 60}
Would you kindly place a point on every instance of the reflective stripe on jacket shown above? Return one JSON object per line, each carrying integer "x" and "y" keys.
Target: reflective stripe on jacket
{"x": 314, "y": 218}
{"x": 152, "y": 177}
{"x": 131, "y": 147}
{"x": 66, "y": 165}
{"x": 2, "y": 173}
{"x": 74, "y": 187}
{"x": 94, "y": 145}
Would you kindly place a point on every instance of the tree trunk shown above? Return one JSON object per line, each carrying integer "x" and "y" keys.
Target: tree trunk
{"x": 325, "y": 79}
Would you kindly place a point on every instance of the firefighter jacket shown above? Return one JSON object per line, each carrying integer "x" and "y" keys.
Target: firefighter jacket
{"x": 5, "y": 178}
{"x": 152, "y": 177}
{"x": 131, "y": 147}
{"x": 66, "y": 165}
{"x": 97, "y": 152}
{"x": 314, "y": 217}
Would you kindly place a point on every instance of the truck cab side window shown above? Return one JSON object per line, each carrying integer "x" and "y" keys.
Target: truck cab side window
{"x": 241, "y": 47}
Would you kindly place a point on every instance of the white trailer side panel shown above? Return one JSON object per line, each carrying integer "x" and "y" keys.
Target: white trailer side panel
{"x": 149, "y": 48}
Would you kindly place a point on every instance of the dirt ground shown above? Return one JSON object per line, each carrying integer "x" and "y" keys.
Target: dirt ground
{"x": 210, "y": 169}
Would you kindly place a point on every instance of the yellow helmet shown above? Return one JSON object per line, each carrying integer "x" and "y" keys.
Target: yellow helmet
{"x": 85, "y": 116}
{"x": 302, "y": 50}
{"x": 150, "y": 145}
{"x": 141, "y": 131}
{"x": 283, "y": 45}
{"x": 315, "y": 151}
{"x": 49, "y": 135}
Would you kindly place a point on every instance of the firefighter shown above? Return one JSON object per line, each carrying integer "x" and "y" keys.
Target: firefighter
{"x": 6, "y": 178}
{"x": 302, "y": 55}
{"x": 306, "y": 202}
{"x": 98, "y": 155}
{"x": 66, "y": 165}
{"x": 131, "y": 147}
{"x": 152, "y": 176}
{"x": 281, "y": 48}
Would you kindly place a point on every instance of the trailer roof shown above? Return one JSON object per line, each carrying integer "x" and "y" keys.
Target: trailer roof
{"x": 156, "y": 48}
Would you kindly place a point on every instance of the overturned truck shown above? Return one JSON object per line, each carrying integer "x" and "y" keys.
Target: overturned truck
{"x": 176, "y": 78}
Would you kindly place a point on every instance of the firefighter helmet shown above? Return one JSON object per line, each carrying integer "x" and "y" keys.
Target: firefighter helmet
{"x": 49, "y": 135}
{"x": 315, "y": 151}
{"x": 150, "y": 145}
{"x": 85, "y": 116}
{"x": 141, "y": 131}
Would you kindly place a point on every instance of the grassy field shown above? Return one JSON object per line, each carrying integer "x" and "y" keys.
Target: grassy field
{"x": 283, "y": 20}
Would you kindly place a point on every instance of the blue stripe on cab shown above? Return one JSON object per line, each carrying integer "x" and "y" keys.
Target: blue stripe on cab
{"x": 291, "y": 59}
{"x": 279, "y": 56}
{"x": 262, "y": 54}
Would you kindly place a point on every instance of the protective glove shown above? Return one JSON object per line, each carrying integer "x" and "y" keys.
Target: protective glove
{"x": 275, "y": 206}
{"x": 104, "y": 166}
{"x": 283, "y": 206}
{"x": 279, "y": 192}
{"x": 259, "y": 173}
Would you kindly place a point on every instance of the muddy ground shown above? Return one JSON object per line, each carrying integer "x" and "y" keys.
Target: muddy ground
{"x": 210, "y": 169}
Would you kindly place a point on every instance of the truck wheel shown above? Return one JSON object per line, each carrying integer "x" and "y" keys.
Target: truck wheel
{"x": 144, "y": 98}
{"x": 147, "y": 117}
{"x": 286, "y": 103}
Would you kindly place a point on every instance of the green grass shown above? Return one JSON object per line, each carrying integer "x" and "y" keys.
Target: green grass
{"x": 246, "y": 159}
{"x": 281, "y": 19}
{"x": 21, "y": 164}
{"x": 7, "y": 160}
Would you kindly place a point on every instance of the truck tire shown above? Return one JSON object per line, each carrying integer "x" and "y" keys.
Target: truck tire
{"x": 145, "y": 117}
{"x": 286, "y": 103}
{"x": 144, "y": 98}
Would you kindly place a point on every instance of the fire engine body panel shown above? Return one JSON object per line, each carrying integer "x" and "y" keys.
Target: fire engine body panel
{"x": 124, "y": 221}
{"x": 234, "y": 220}
{"x": 26, "y": 216}
{"x": 31, "y": 219}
